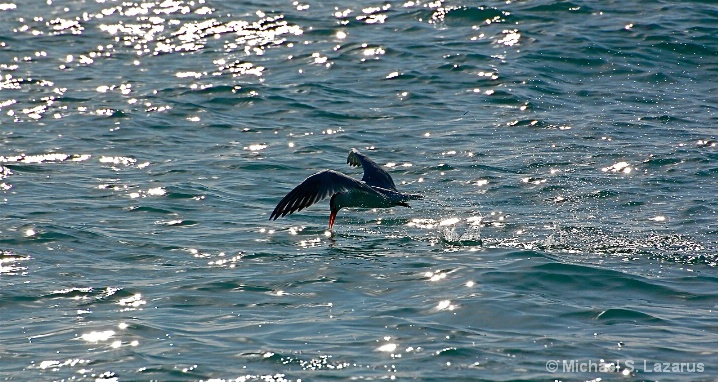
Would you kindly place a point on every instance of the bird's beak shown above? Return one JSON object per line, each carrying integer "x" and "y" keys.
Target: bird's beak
{"x": 332, "y": 216}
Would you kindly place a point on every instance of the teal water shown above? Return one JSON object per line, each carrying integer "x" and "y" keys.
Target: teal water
{"x": 567, "y": 153}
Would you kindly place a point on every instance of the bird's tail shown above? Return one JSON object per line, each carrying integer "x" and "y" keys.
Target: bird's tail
{"x": 409, "y": 197}
{"x": 415, "y": 196}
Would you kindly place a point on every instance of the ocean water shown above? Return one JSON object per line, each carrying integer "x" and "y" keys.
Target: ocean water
{"x": 566, "y": 150}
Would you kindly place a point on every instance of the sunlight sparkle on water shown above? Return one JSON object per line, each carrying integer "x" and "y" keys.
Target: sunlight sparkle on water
{"x": 449, "y": 221}
{"x": 445, "y": 305}
{"x": 311, "y": 243}
{"x": 511, "y": 37}
{"x": 40, "y": 158}
{"x": 474, "y": 220}
{"x": 422, "y": 223}
{"x": 56, "y": 365}
{"x": 387, "y": 348}
{"x": 374, "y": 51}
{"x": 256, "y": 147}
{"x": 435, "y": 276}
{"x": 157, "y": 191}
{"x": 229, "y": 262}
{"x": 319, "y": 59}
{"x": 9, "y": 261}
{"x": 623, "y": 167}
{"x": 134, "y": 301}
{"x": 332, "y": 131}
{"x": 126, "y": 161}
{"x": 96, "y": 336}
{"x": 188, "y": 74}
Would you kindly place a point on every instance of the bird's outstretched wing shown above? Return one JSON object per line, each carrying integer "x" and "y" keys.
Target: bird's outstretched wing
{"x": 316, "y": 188}
{"x": 373, "y": 174}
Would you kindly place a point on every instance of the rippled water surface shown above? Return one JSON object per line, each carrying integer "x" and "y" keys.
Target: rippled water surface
{"x": 566, "y": 151}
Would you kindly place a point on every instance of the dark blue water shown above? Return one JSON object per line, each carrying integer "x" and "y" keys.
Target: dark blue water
{"x": 567, "y": 153}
